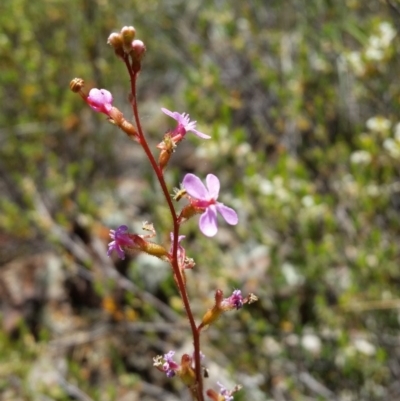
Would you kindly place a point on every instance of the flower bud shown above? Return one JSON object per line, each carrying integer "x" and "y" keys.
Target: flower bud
{"x": 128, "y": 34}
{"x": 189, "y": 211}
{"x": 76, "y": 85}
{"x": 163, "y": 159}
{"x": 186, "y": 372}
{"x": 213, "y": 395}
{"x": 215, "y": 312}
{"x": 138, "y": 48}
{"x": 115, "y": 40}
{"x": 149, "y": 247}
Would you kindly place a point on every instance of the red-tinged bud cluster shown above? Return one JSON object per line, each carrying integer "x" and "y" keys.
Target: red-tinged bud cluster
{"x": 127, "y": 47}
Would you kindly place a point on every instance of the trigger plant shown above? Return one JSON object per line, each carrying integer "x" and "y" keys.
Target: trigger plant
{"x": 199, "y": 199}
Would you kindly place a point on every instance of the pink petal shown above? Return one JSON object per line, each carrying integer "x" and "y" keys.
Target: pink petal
{"x": 172, "y": 114}
{"x": 228, "y": 214}
{"x": 194, "y": 187}
{"x": 179, "y": 118}
{"x": 100, "y": 100}
{"x": 208, "y": 222}
{"x": 213, "y": 185}
{"x": 200, "y": 134}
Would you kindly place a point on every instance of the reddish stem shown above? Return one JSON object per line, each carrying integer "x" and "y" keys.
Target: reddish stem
{"x": 181, "y": 285}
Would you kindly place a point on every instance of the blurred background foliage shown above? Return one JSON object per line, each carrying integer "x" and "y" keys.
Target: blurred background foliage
{"x": 302, "y": 101}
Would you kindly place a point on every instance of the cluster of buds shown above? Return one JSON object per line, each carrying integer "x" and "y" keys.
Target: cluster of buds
{"x": 127, "y": 47}
{"x": 201, "y": 199}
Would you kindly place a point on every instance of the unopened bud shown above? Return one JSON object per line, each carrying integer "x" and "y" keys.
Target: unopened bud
{"x": 115, "y": 40}
{"x": 186, "y": 372}
{"x": 163, "y": 159}
{"x": 154, "y": 249}
{"x": 213, "y": 395}
{"x": 128, "y": 34}
{"x": 76, "y": 85}
{"x": 138, "y": 48}
{"x": 214, "y": 313}
{"x": 189, "y": 211}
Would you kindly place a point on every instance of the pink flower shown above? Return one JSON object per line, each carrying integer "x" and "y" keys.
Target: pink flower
{"x": 184, "y": 125}
{"x": 207, "y": 198}
{"x": 121, "y": 238}
{"x": 170, "y": 366}
{"x": 100, "y": 100}
{"x": 235, "y": 301}
{"x": 225, "y": 393}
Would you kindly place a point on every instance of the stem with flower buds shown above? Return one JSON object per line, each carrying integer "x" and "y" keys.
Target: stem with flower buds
{"x": 179, "y": 279}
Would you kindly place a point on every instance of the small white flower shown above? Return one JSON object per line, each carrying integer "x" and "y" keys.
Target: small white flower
{"x": 308, "y": 201}
{"x": 356, "y": 63}
{"x": 378, "y": 124}
{"x": 360, "y": 157}
{"x": 374, "y": 53}
{"x": 392, "y": 147}
{"x": 364, "y": 346}
{"x": 311, "y": 343}
{"x": 387, "y": 33}
{"x": 266, "y": 187}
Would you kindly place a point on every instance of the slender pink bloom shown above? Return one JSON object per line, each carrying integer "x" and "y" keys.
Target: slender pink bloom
{"x": 206, "y": 197}
{"x": 100, "y": 100}
{"x": 121, "y": 238}
{"x": 184, "y": 125}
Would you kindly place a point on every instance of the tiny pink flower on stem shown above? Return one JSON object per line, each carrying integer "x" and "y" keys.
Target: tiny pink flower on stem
{"x": 184, "y": 125}
{"x": 120, "y": 238}
{"x": 235, "y": 301}
{"x": 100, "y": 100}
{"x": 170, "y": 366}
{"x": 206, "y": 198}
{"x": 225, "y": 393}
